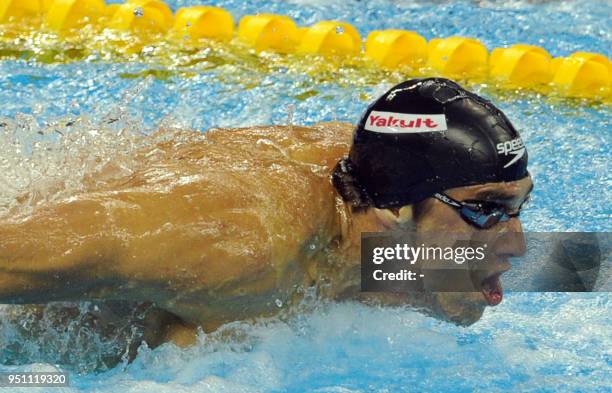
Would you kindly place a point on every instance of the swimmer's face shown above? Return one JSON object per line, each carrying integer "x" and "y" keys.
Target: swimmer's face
{"x": 506, "y": 239}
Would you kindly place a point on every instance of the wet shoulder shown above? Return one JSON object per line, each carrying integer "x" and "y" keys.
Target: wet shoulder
{"x": 268, "y": 187}
{"x": 322, "y": 144}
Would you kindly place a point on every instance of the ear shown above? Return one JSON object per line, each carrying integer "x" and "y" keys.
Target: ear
{"x": 386, "y": 218}
{"x": 392, "y": 219}
{"x": 405, "y": 216}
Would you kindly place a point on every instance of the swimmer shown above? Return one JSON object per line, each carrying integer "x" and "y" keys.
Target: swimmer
{"x": 230, "y": 224}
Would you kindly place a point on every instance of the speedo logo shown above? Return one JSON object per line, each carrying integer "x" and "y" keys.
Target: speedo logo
{"x": 514, "y": 147}
{"x": 404, "y": 123}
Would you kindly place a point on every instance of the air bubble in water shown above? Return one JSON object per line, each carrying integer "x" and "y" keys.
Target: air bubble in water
{"x": 279, "y": 303}
{"x": 339, "y": 29}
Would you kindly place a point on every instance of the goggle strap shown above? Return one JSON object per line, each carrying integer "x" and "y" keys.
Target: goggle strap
{"x": 448, "y": 200}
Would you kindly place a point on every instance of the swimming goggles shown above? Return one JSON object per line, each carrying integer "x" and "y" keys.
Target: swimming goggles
{"x": 481, "y": 214}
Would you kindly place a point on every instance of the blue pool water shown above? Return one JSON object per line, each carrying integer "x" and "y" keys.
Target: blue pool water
{"x": 531, "y": 342}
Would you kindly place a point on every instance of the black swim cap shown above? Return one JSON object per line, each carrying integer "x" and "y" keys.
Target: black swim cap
{"x": 425, "y": 136}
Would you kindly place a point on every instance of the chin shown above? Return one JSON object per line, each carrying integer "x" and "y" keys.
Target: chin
{"x": 460, "y": 308}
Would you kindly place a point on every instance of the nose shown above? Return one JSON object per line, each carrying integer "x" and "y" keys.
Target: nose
{"x": 512, "y": 239}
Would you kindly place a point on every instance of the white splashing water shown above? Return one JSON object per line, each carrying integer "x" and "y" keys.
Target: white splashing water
{"x": 353, "y": 348}
{"x": 48, "y": 160}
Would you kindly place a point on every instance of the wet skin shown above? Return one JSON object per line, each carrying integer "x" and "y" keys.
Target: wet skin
{"x": 217, "y": 227}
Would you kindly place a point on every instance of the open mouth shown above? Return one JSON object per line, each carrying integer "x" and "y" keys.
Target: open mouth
{"x": 492, "y": 289}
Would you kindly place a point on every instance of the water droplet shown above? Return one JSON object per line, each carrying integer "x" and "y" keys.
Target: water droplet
{"x": 279, "y": 303}
{"x": 339, "y": 29}
{"x": 138, "y": 12}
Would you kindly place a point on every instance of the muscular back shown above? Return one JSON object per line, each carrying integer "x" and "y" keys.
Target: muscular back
{"x": 209, "y": 226}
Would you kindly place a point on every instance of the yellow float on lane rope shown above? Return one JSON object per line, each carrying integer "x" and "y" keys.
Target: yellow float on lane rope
{"x": 278, "y": 33}
{"x": 111, "y": 9}
{"x": 142, "y": 16}
{"x": 396, "y": 48}
{"x": 520, "y": 66}
{"x": 204, "y": 22}
{"x": 582, "y": 74}
{"x": 65, "y": 15}
{"x": 331, "y": 38}
{"x": 458, "y": 57}
{"x": 17, "y": 10}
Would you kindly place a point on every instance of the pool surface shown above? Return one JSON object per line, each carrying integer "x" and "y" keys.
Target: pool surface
{"x": 532, "y": 342}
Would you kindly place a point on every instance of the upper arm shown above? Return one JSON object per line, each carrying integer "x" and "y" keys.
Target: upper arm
{"x": 227, "y": 217}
